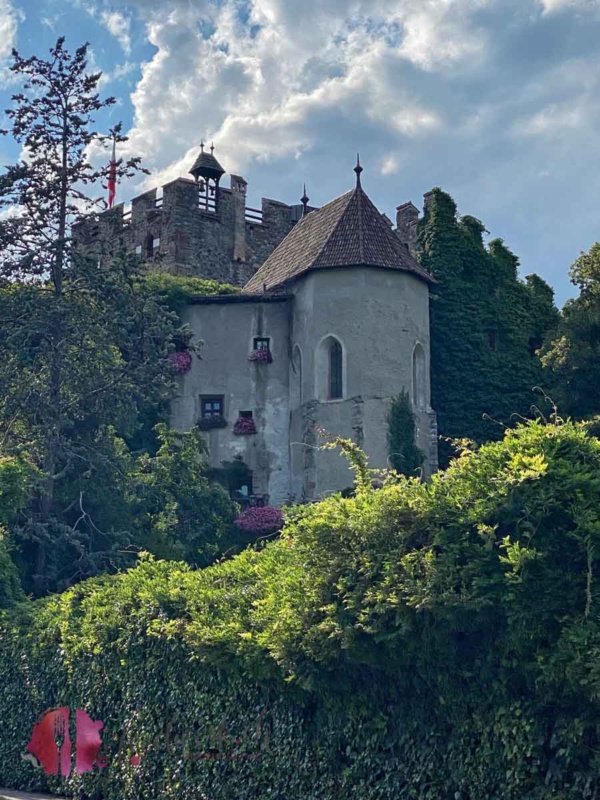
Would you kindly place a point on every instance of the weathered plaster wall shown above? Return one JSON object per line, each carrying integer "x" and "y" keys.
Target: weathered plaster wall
{"x": 228, "y": 329}
{"x": 378, "y": 316}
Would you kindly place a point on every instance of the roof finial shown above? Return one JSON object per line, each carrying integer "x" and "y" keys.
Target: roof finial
{"x": 202, "y": 145}
{"x": 358, "y": 169}
{"x": 304, "y": 200}
{"x": 212, "y": 148}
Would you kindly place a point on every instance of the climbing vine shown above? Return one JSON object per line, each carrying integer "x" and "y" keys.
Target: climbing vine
{"x": 487, "y": 326}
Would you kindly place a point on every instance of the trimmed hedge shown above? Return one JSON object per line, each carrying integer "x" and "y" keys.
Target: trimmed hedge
{"x": 418, "y": 641}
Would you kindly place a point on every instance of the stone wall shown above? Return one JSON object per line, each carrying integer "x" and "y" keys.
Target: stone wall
{"x": 228, "y": 243}
{"x": 228, "y": 326}
{"x": 379, "y": 316}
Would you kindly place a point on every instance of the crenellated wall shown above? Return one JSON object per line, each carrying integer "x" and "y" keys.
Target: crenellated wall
{"x": 223, "y": 239}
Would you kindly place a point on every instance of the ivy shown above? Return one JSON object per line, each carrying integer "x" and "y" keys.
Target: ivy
{"x": 424, "y": 640}
{"x": 405, "y": 456}
{"x": 486, "y": 327}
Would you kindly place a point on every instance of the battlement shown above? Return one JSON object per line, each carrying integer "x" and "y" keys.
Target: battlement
{"x": 194, "y": 228}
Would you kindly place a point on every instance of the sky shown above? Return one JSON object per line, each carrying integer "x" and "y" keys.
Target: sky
{"x": 495, "y": 101}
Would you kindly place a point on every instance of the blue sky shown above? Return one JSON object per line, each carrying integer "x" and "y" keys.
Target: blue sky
{"x": 496, "y": 101}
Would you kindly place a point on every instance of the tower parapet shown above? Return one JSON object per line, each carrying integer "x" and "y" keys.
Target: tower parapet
{"x": 195, "y": 227}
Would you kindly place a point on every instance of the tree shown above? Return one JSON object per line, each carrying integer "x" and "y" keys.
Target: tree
{"x": 405, "y": 456}
{"x": 85, "y": 373}
{"x": 16, "y": 477}
{"x": 572, "y": 357}
{"x": 41, "y": 196}
{"x": 486, "y": 326}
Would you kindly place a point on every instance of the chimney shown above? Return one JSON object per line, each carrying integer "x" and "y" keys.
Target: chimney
{"x": 407, "y": 217}
{"x": 238, "y": 188}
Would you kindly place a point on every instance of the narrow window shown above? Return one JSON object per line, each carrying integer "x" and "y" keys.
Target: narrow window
{"x": 262, "y": 343}
{"x": 138, "y": 250}
{"x": 211, "y": 406}
{"x": 419, "y": 377}
{"x": 150, "y": 246}
{"x": 155, "y": 244}
{"x": 493, "y": 339}
{"x": 335, "y": 370}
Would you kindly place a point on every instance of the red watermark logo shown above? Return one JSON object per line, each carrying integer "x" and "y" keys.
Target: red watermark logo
{"x": 51, "y": 749}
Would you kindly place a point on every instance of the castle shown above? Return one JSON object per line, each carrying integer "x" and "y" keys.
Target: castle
{"x": 331, "y": 323}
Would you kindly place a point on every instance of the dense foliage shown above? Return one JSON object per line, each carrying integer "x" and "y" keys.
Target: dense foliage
{"x": 87, "y": 372}
{"x": 573, "y": 356}
{"x": 424, "y": 641}
{"x": 404, "y": 455}
{"x": 486, "y": 326}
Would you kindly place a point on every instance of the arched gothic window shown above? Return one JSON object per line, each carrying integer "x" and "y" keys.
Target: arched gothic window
{"x": 330, "y": 365}
{"x": 419, "y": 377}
{"x": 336, "y": 370}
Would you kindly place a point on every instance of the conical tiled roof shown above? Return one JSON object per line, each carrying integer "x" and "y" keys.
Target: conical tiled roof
{"x": 348, "y": 232}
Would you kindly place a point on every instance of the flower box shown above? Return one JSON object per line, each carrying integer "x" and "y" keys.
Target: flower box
{"x": 209, "y": 423}
{"x": 260, "y": 520}
{"x": 244, "y": 426}
{"x": 261, "y": 356}
{"x": 181, "y": 362}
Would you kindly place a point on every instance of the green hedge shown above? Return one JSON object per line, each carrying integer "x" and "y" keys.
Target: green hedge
{"x": 428, "y": 641}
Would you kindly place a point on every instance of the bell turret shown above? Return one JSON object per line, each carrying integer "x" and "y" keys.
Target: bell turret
{"x": 206, "y": 166}
{"x": 207, "y": 173}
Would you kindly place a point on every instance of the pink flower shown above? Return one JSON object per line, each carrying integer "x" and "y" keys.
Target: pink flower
{"x": 181, "y": 362}
{"x": 244, "y": 426}
{"x": 262, "y": 355}
{"x": 265, "y": 519}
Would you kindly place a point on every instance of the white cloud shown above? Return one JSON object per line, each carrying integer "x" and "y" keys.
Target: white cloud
{"x": 9, "y": 23}
{"x": 119, "y": 26}
{"x": 264, "y": 86}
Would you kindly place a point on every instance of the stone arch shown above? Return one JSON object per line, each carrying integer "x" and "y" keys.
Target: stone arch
{"x": 331, "y": 369}
{"x": 419, "y": 376}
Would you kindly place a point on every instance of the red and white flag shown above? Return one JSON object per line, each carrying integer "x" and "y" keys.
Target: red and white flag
{"x": 112, "y": 176}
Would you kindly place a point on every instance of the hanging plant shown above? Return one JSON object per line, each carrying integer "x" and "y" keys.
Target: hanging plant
{"x": 244, "y": 426}
{"x": 261, "y": 519}
{"x": 261, "y": 356}
{"x": 181, "y": 362}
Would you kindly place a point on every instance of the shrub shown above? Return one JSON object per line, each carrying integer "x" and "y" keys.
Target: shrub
{"x": 425, "y": 641}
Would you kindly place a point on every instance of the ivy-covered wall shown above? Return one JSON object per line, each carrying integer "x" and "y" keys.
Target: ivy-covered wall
{"x": 486, "y": 326}
{"x": 431, "y": 641}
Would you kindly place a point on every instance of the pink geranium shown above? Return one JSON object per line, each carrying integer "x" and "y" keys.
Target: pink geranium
{"x": 181, "y": 362}
{"x": 244, "y": 426}
{"x": 262, "y": 356}
{"x": 263, "y": 520}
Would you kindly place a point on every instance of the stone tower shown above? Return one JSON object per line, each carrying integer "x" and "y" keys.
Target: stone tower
{"x": 194, "y": 226}
{"x": 332, "y": 326}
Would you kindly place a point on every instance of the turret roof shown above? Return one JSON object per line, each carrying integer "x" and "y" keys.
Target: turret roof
{"x": 348, "y": 231}
{"x": 206, "y": 165}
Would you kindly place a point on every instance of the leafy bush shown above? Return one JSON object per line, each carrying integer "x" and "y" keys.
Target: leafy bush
{"x": 423, "y": 641}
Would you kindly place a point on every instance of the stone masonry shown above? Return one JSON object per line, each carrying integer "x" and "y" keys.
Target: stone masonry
{"x": 181, "y": 234}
